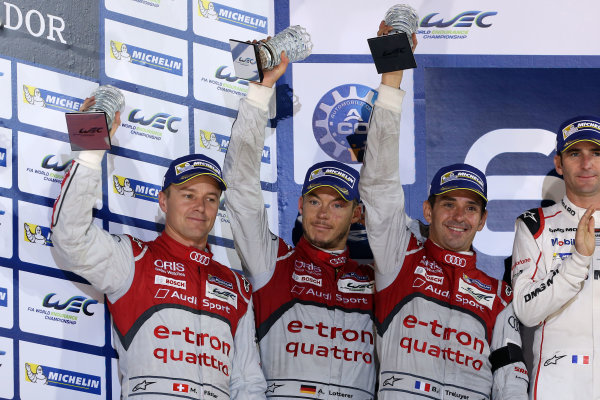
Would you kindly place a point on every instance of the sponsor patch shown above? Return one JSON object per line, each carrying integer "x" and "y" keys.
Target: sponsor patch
{"x": 216, "y": 279}
{"x": 220, "y": 293}
{"x": 486, "y": 299}
{"x": 307, "y": 279}
{"x": 352, "y": 286}
{"x": 430, "y": 278}
{"x": 163, "y": 280}
{"x": 477, "y": 283}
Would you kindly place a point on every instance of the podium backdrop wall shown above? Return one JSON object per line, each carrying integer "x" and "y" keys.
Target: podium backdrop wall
{"x": 494, "y": 81}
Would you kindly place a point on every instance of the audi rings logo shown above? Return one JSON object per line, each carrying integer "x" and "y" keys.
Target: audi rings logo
{"x": 455, "y": 260}
{"x": 337, "y": 261}
{"x": 200, "y": 258}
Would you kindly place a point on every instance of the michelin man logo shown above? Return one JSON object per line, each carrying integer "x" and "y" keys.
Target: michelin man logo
{"x": 37, "y": 376}
{"x": 125, "y": 189}
{"x": 37, "y": 234}
{"x": 209, "y": 140}
{"x": 34, "y": 99}
{"x": 209, "y": 11}
{"x": 341, "y": 115}
{"x": 119, "y": 52}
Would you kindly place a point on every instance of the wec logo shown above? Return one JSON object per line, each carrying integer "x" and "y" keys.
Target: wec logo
{"x": 463, "y": 20}
{"x": 74, "y": 304}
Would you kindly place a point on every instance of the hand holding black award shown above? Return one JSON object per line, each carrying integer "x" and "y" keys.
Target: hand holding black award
{"x": 393, "y": 52}
{"x": 250, "y": 59}
{"x": 90, "y": 129}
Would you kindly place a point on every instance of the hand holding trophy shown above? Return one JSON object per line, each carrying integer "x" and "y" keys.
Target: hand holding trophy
{"x": 251, "y": 59}
{"x": 90, "y": 129}
{"x": 393, "y": 51}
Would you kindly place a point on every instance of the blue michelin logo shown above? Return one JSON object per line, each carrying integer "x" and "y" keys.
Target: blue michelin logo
{"x": 341, "y": 120}
{"x": 146, "y": 58}
{"x": 51, "y": 100}
{"x": 233, "y": 16}
{"x": 135, "y": 188}
{"x": 2, "y": 157}
{"x": 214, "y": 141}
{"x": 3, "y": 297}
{"x": 62, "y": 378}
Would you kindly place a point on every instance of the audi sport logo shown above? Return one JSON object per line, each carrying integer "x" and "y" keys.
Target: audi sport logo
{"x": 337, "y": 261}
{"x": 455, "y": 260}
{"x": 200, "y": 258}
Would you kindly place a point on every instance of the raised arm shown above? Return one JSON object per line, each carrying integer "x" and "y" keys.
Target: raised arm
{"x": 82, "y": 247}
{"x": 255, "y": 244}
{"x": 555, "y": 285}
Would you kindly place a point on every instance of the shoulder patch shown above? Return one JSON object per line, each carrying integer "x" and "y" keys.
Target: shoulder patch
{"x": 534, "y": 220}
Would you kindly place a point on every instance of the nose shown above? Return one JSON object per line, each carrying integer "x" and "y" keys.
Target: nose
{"x": 586, "y": 161}
{"x": 459, "y": 214}
{"x": 323, "y": 212}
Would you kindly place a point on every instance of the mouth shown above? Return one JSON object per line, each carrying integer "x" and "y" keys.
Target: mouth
{"x": 457, "y": 229}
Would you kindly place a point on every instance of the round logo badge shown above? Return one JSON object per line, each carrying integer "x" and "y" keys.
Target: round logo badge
{"x": 341, "y": 120}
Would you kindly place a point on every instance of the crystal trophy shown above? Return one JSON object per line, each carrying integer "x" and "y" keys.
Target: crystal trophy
{"x": 90, "y": 130}
{"x": 250, "y": 59}
{"x": 393, "y": 52}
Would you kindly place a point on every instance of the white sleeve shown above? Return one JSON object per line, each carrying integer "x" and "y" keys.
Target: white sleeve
{"x": 247, "y": 379}
{"x": 254, "y": 242}
{"x": 380, "y": 187}
{"x": 510, "y": 381}
{"x": 106, "y": 261}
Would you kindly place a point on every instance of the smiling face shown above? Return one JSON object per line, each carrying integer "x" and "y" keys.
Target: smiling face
{"x": 454, "y": 219}
{"x": 326, "y": 218}
{"x": 580, "y": 167}
{"x": 191, "y": 209}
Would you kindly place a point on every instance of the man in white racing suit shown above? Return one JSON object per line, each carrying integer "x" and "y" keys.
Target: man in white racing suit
{"x": 446, "y": 330}
{"x": 183, "y": 323}
{"x": 556, "y": 269}
{"x": 313, "y": 304}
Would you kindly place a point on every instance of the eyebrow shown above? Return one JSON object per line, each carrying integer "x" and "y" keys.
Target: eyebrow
{"x": 338, "y": 198}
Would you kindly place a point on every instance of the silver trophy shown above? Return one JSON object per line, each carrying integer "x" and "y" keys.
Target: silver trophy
{"x": 403, "y": 18}
{"x": 90, "y": 130}
{"x": 251, "y": 59}
{"x": 393, "y": 52}
{"x": 109, "y": 100}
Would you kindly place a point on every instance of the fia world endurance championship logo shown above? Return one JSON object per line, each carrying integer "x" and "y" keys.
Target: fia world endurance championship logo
{"x": 341, "y": 120}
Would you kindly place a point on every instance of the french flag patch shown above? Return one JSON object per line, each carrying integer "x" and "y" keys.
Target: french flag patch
{"x": 580, "y": 359}
{"x": 426, "y": 387}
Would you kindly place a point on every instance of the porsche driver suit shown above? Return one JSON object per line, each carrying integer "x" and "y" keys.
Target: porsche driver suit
{"x": 446, "y": 330}
{"x": 557, "y": 292}
{"x": 183, "y": 323}
{"x": 313, "y": 308}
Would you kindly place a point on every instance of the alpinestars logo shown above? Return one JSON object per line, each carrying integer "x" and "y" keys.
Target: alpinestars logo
{"x": 341, "y": 120}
